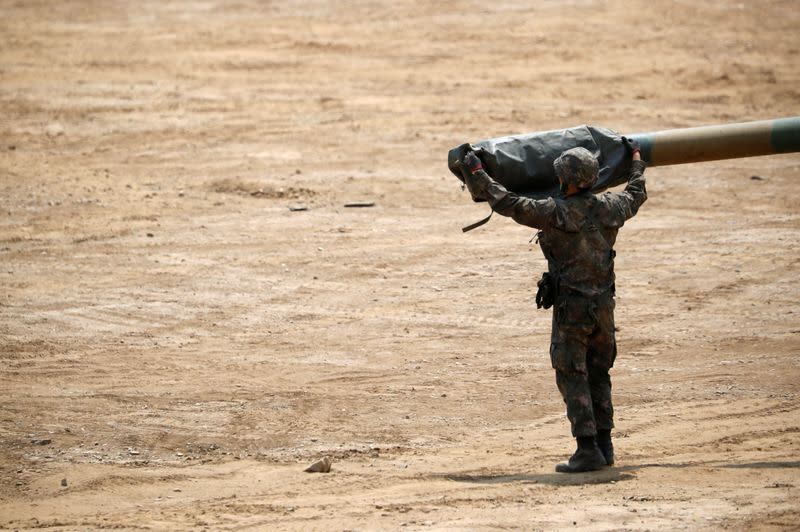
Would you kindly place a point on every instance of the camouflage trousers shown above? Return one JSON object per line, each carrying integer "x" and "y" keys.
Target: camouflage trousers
{"x": 582, "y": 350}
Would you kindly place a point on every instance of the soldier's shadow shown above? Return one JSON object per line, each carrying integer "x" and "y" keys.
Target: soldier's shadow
{"x": 604, "y": 476}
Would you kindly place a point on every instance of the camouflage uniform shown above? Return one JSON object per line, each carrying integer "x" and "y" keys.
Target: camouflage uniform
{"x": 577, "y": 235}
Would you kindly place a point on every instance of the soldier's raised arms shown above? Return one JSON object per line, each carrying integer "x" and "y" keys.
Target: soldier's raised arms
{"x": 525, "y": 211}
{"x": 620, "y": 206}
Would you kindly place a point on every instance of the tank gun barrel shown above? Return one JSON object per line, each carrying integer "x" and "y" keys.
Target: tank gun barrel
{"x": 726, "y": 141}
{"x": 524, "y": 163}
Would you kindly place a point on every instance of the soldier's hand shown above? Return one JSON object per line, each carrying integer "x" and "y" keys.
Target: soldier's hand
{"x": 632, "y": 146}
{"x": 472, "y": 163}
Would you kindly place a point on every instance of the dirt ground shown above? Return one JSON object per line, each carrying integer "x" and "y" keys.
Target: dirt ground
{"x": 178, "y": 344}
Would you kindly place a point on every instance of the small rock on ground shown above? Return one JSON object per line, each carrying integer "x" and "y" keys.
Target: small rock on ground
{"x": 320, "y": 466}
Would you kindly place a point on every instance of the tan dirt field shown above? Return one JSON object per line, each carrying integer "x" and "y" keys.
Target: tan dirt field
{"x": 177, "y": 345}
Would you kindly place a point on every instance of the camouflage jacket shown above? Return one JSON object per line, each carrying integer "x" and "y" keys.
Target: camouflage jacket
{"x": 577, "y": 232}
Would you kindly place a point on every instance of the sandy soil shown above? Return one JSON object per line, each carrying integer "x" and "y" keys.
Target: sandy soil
{"x": 177, "y": 344}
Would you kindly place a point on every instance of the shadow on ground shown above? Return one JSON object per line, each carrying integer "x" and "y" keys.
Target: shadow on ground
{"x": 604, "y": 476}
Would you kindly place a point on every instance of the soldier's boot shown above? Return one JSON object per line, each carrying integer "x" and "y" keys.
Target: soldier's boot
{"x": 587, "y": 458}
{"x": 605, "y": 445}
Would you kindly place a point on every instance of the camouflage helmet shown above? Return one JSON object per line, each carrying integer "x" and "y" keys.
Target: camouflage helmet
{"x": 578, "y": 167}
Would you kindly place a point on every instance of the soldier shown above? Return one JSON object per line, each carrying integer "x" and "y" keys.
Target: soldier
{"x": 577, "y": 232}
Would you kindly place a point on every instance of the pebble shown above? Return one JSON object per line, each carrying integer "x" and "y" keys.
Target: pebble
{"x": 320, "y": 466}
{"x": 42, "y": 441}
{"x": 64, "y": 482}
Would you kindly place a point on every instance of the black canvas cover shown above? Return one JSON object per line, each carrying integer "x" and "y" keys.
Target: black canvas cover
{"x": 524, "y": 163}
